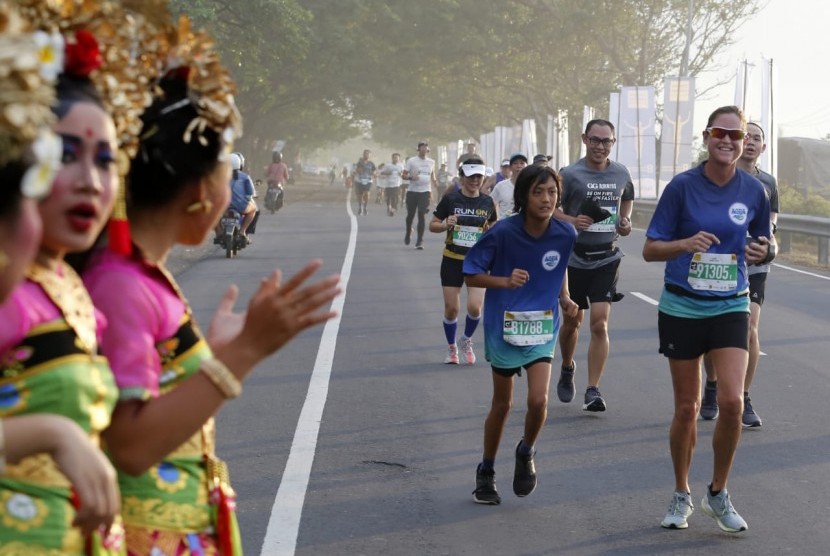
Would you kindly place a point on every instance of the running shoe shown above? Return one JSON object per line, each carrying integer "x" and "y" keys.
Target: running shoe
{"x": 407, "y": 237}
{"x": 565, "y": 387}
{"x": 750, "y": 419}
{"x": 485, "y": 492}
{"x": 524, "y": 476}
{"x": 709, "y": 404}
{"x": 452, "y": 355}
{"x": 680, "y": 508}
{"x": 419, "y": 246}
{"x": 467, "y": 350}
{"x": 593, "y": 400}
{"x": 720, "y": 508}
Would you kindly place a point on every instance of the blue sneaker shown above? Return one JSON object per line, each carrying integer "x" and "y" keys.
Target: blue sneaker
{"x": 720, "y": 509}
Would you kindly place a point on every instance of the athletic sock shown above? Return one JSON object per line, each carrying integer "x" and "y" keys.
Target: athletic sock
{"x": 470, "y": 326}
{"x": 487, "y": 464}
{"x": 450, "y": 330}
{"x": 712, "y": 383}
{"x": 524, "y": 448}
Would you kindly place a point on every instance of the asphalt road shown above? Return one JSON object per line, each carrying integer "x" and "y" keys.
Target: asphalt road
{"x": 391, "y": 457}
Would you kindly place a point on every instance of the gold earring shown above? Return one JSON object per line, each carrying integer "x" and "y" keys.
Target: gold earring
{"x": 200, "y": 206}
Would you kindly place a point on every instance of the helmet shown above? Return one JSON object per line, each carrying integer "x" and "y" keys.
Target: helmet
{"x": 236, "y": 161}
{"x": 241, "y": 160}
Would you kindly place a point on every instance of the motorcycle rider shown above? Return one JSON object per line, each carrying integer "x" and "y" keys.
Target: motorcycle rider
{"x": 276, "y": 177}
{"x": 242, "y": 196}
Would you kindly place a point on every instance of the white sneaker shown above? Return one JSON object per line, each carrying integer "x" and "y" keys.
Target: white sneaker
{"x": 680, "y": 508}
{"x": 452, "y": 355}
{"x": 467, "y": 351}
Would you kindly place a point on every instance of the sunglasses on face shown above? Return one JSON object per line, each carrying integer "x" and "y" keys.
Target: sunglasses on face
{"x": 721, "y": 132}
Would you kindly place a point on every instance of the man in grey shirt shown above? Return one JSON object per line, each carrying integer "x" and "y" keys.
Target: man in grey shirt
{"x": 754, "y": 146}
{"x": 597, "y": 198}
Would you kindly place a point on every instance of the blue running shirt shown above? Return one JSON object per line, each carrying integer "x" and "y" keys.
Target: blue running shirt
{"x": 501, "y": 249}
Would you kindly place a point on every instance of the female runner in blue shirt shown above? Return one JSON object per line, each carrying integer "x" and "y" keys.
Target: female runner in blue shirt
{"x": 700, "y": 229}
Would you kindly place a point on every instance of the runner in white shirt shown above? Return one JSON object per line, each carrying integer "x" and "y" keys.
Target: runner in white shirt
{"x": 502, "y": 192}
{"x": 421, "y": 173}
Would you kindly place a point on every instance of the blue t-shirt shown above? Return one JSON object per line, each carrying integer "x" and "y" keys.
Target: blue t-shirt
{"x": 691, "y": 203}
{"x": 242, "y": 190}
{"x": 501, "y": 249}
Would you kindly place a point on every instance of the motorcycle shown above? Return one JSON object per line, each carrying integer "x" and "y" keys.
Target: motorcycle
{"x": 274, "y": 198}
{"x": 231, "y": 239}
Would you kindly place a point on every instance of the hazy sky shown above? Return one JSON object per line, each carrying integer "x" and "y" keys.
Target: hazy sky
{"x": 792, "y": 33}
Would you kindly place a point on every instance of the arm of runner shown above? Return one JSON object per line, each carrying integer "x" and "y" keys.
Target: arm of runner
{"x": 580, "y": 222}
{"x": 658, "y": 250}
{"x": 503, "y": 282}
{"x": 567, "y": 304}
{"x": 436, "y": 225}
{"x": 624, "y": 220}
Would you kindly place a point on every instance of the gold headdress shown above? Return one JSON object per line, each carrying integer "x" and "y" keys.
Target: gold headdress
{"x": 122, "y": 70}
{"x": 210, "y": 88}
{"x": 26, "y": 96}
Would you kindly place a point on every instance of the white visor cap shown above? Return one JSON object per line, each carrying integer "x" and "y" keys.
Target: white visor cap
{"x": 473, "y": 169}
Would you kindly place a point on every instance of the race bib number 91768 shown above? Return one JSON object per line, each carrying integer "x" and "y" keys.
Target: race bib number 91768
{"x": 528, "y": 328}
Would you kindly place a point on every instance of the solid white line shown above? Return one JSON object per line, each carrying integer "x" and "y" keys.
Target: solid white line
{"x": 284, "y": 523}
{"x": 645, "y": 298}
{"x": 813, "y": 274}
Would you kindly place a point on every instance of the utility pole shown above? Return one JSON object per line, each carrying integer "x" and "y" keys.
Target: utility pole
{"x": 684, "y": 61}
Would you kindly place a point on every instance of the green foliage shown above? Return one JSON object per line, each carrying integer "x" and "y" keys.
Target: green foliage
{"x": 314, "y": 72}
{"x": 793, "y": 201}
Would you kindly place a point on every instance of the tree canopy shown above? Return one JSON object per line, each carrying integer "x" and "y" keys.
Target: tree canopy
{"x": 314, "y": 72}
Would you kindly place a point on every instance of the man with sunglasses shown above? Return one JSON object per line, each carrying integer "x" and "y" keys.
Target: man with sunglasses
{"x": 597, "y": 198}
{"x": 754, "y": 147}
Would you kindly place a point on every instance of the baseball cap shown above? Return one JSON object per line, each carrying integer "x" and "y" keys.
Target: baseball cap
{"x": 505, "y": 162}
{"x": 517, "y": 156}
{"x": 541, "y": 158}
{"x": 422, "y": 144}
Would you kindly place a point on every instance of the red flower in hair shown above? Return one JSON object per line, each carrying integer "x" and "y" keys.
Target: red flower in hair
{"x": 82, "y": 55}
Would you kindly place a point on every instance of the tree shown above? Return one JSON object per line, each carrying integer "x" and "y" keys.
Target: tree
{"x": 316, "y": 71}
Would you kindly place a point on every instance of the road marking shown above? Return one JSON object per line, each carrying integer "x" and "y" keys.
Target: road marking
{"x": 645, "y": 298}
{"x": 813, "y": 274}
{"x": 284, "y": 523}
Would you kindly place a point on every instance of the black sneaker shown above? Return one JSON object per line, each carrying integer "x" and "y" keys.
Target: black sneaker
{"x": 709, "y": 403}
{"x": 419, "y": 246}
{"x": 750, "y": 419}
{"x": 524, "y": 477}
{"x": 485, "y": 492}
{"x": 407, "y": 238}
{"x": 565, "y": 386}
{"x": 593, "y": 400}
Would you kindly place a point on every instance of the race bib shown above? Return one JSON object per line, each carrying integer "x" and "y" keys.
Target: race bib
{"x": 466, "y": 236}
{"x": 528, "y": 328}
{"x": 607, "y": 225}
{"x": 713, "y": 272}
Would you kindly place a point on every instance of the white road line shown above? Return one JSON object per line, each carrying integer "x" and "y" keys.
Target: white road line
{"x": 645, "y": 298}
{"x": 284, "y": 523}
{"x": 813, "y": 274}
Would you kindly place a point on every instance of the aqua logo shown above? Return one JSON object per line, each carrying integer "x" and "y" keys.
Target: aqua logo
{"x": 550, "y": 260}
{"x": 738, "y": 213}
